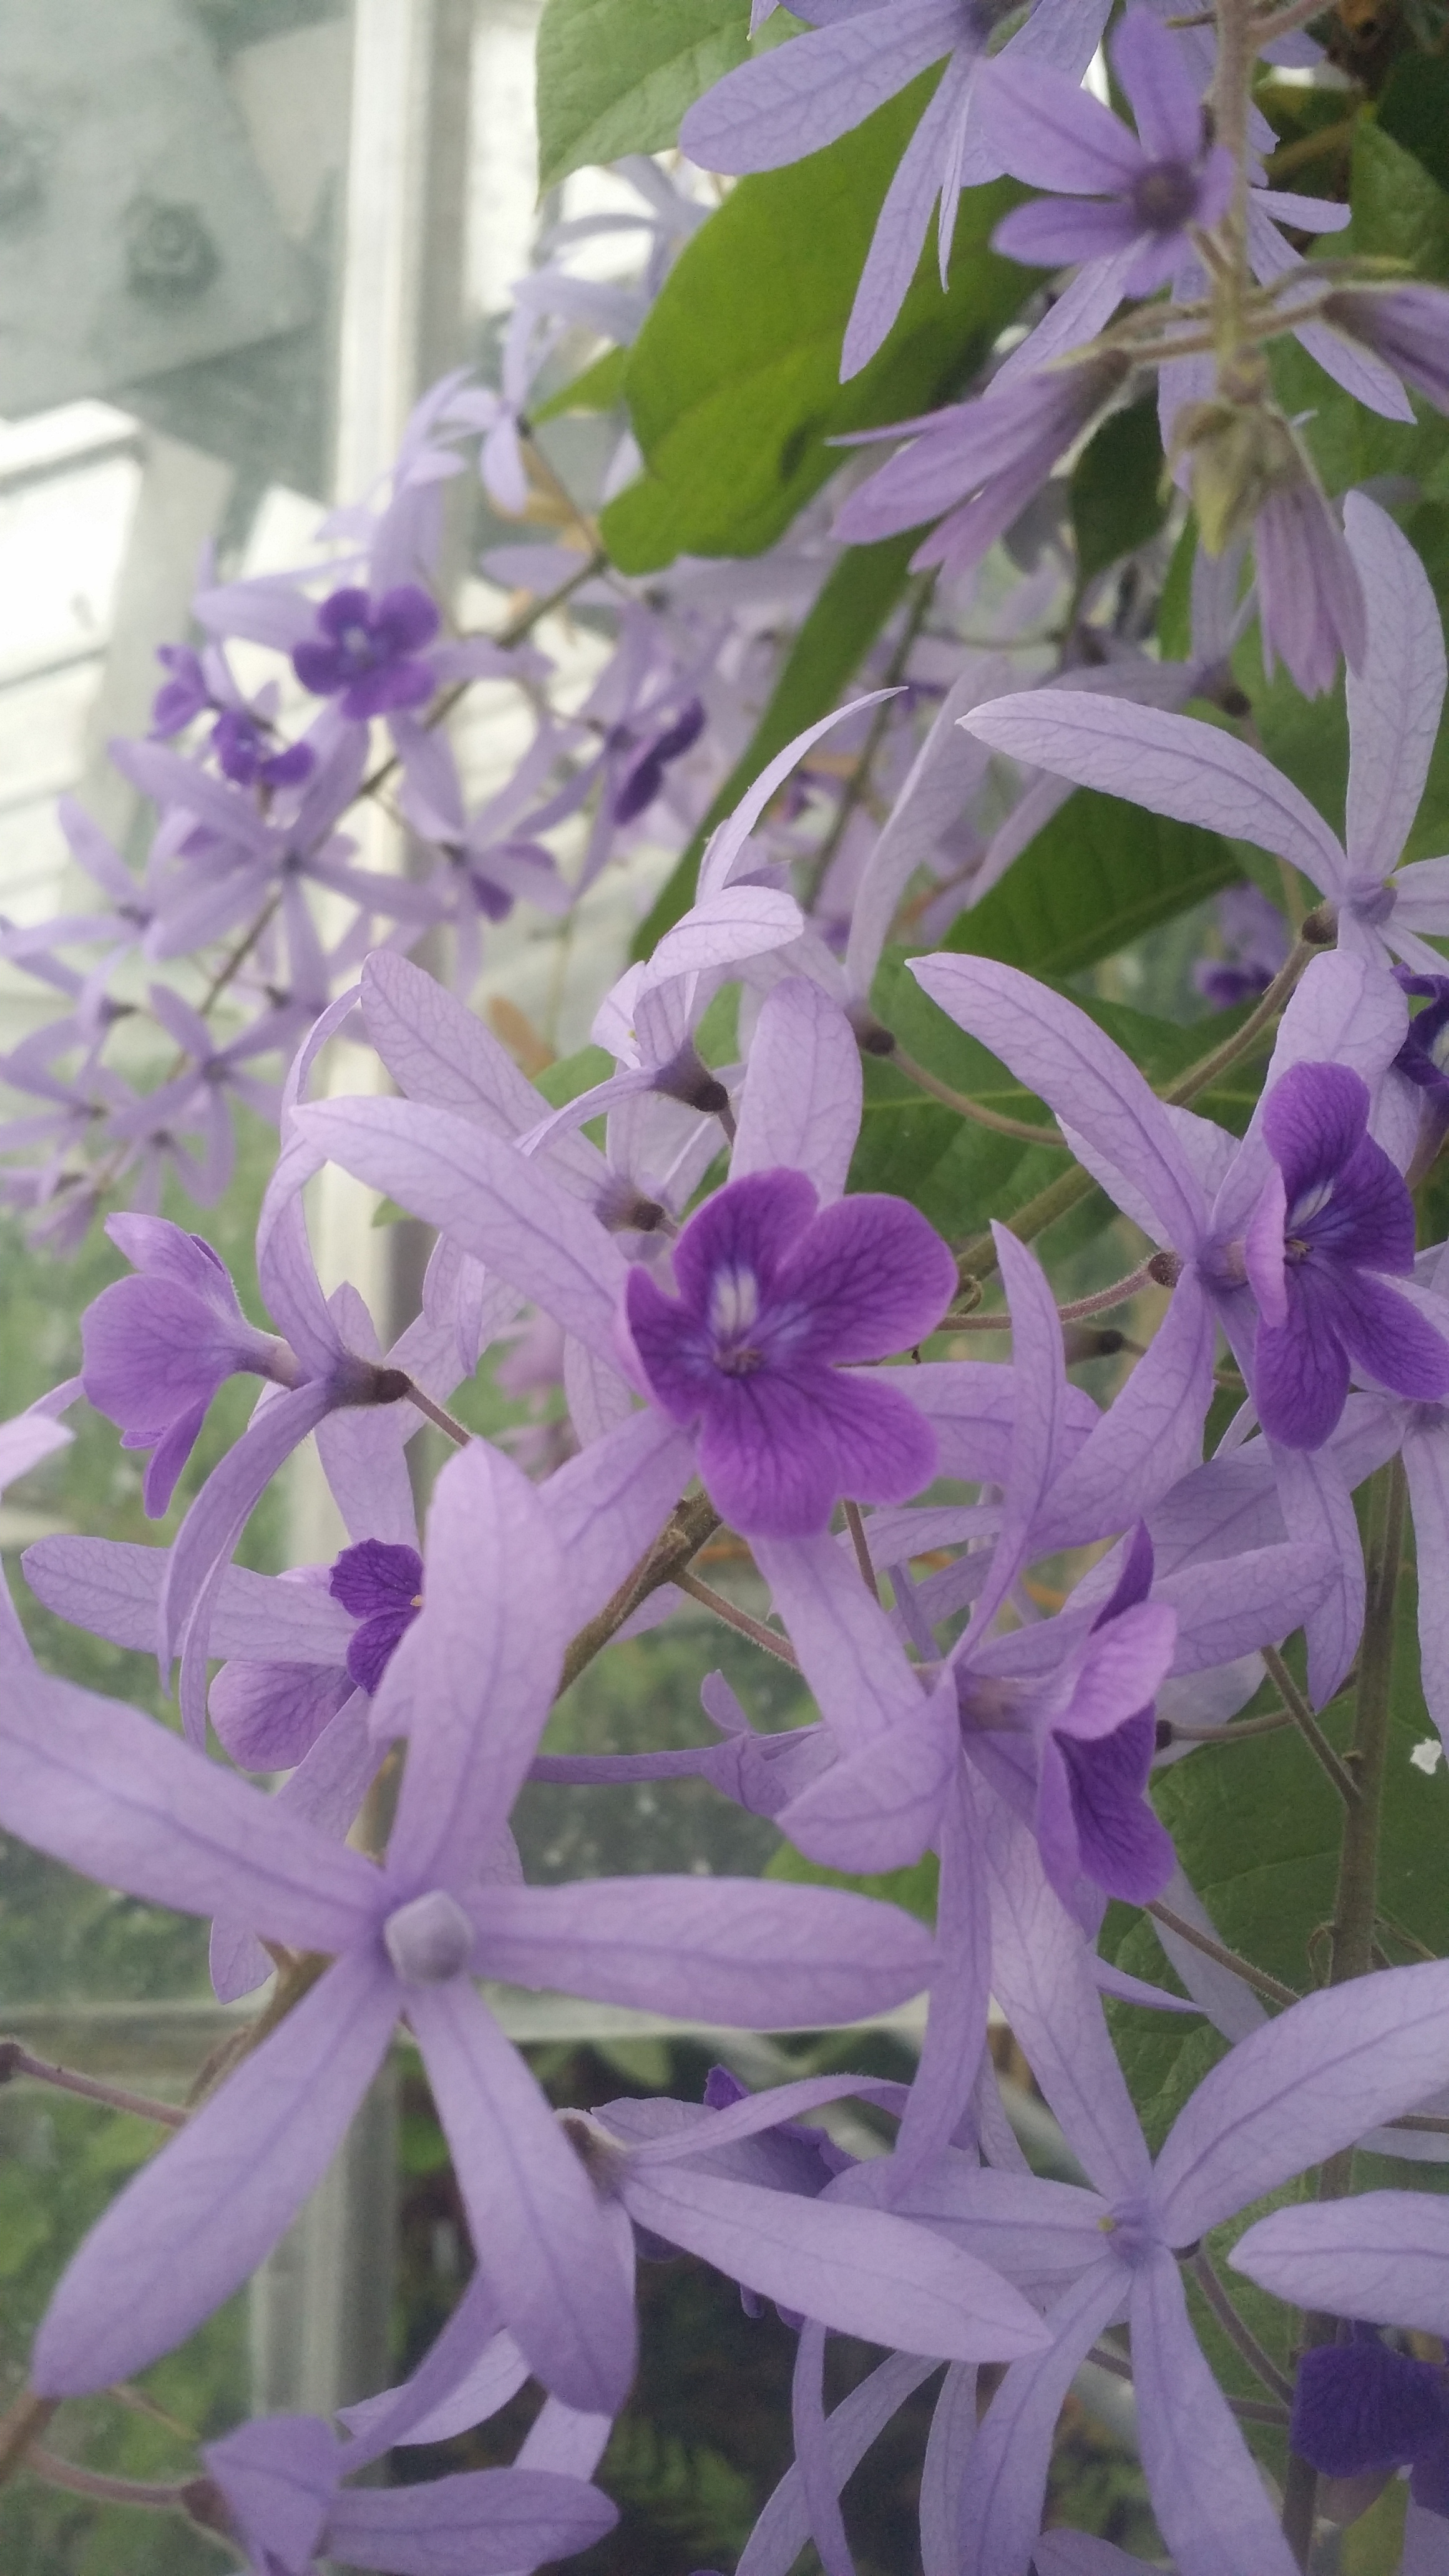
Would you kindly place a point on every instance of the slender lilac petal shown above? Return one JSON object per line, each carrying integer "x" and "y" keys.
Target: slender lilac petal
{"x": 159, "y": 2262}
{"x": 905, "y": 218}
{"x": 1149, "y": 1439}
{"x": 484, "y": 1662}
{"x": 113, "y": 1587}
{"x": 471, "y": 2369}
{"x": 720, "y": 1950}
{"x": 1317, "y": 1506}
{"x": 1054, "y": 134}
{"x": 1214, "y": 2511}
{"x": 116, "y": 1796}
{"x": 802, "y": 1096}
{"x": 1171, "y": 764}
{"x": 1271, "y": 1591}
{"x": 481, "y": 2522}
{"x": 1341, "y": 2062}
{"x": 538, "y": 2230}
{"x": 727, "y": 844}
{"x": 848, "y": 1651}
{"x": 609, "y": 1503}
{"x": 1052, "y": 231}
{"x": 199, "y": 1553}
{"x": 1041, "y": 1978}
{"x": 783, "y": 2527}
{"x": 1161, "y": 91}
{"x": 861, "y": 2271}
{"x": 951, "y": 2052}
{"x": 1383, "y": 2254}
{"x": 508, "y": 1212}
{"x": 1057, "y": 1051}
{"x": 878, "y": 1808}
{"x": 1426, "y": 1465}
{"x": 1395, "y": 699}
{"x": 948, "y": 2447}
{"x": 1001, "y": 2496}
{"x": 802, "y": 96}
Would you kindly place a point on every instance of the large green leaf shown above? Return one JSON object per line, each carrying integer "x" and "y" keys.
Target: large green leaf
{"x": 1117, "y": 494}
{"x": 843, "y": 624}
{"x": 1099, "y": 875}
{"x": 616, "y": 76}
{"x": 734, "y": 384}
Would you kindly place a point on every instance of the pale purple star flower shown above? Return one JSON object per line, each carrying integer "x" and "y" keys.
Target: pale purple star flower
{"x": 1173, "y": 764}
{"x": 858, "y": 53}
{"x": 274, "y": 2488}
{"x": 1144, "y": 194}
{"x": 1316, "y": 2079}
{"x": 105, "y": 1789}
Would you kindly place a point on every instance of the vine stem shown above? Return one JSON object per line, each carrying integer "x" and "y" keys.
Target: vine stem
{"x": 1260, "y": 2362}
{"x": 1258, "y": 1978}
{"x": 694, "y": 1521}
{"x": 1308, "y": 1727}
{"x": 20, "y": 2425}
{"x": 754, "y": 1629}
{"x": 1023, "y": 1130}
{"x": 16, "y": 2061}
{"x": 105, "y": 2490}
{"x": 456, "y": 1431}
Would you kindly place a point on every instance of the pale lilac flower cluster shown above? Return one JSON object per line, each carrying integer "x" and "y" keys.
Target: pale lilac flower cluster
{"x": 1010, "y": 1600}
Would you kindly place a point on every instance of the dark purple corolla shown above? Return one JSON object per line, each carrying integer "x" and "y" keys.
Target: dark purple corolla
{"x": 369, "y": 652}
{"x": 1146, "y": 194}
{"x": 775, "y": 1292}
{"x": 1362, "y": 2410}
{"x": 1334, "y": 1214}
{"x": 642, "y": 778}
{"x": 382, "y": 1585}
{"x": 157, "y": 1346}
{"x": 244, "y": 742}
{"x": 1092, "y": 1816}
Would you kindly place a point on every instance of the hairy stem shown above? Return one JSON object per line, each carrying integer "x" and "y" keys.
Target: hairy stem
{"x": 455, "y": 1430}
{"x": 1261, "y": 2363}
{"x": 16, "y": 2060}
{"x": 695, "y": 1520}
{"x": 20, "y": 2425}
{"x": 105, "y": 2490}
{"x": 1023, "y": 1130}
{"x": 861, "y": 1545}
{"x": 1308, "y": 1727}
{"x": 754, "y": 1629}
{"x": 1258, "y": 1978}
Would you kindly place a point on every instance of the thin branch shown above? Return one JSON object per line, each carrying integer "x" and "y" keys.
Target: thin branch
{"x": 1023, "y": 1130}
{"x": 455, "y": 1430}
{"x": 861, "y": 1545}
{"x": 105, "y": 2490}
{"x": 1309, "y": 1728}
{"x": 1261, "y": 2363}
{"x": 19, "y": 2427}
{"x": 1199, "y": 1076}
{"x": 1258, "y": 1978}
{"x": 754, "y": 1629}
{"x": 1236, "y": 1731}
{"x": 694, "y": 1521}
{"x": 1105, "y": 1298}
{"x": 16, "y": 2060}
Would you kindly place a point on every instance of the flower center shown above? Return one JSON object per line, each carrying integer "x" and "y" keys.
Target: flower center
{"x": 430, "y": 1939}
{"x": 1165, "y": 197}
{"x": 734, "y": 1314}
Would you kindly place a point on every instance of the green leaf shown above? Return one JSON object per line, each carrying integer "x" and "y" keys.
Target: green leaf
{"x": 734, "y": 382}
{"x": 599, "y": 388}
{"x": 913, "y": 1888}
{"x": 1116, "y": 490}
{"x": 616, "y": 76}
{"x": 1414, "y": 111}
{"x": 1399, "y": 211}
{"x": 1100, "y": 874}
{"x": 843, "y": 624}
{"x": 564, "y": 1081}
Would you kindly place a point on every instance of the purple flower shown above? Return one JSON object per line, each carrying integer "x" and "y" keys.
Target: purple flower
{"x": 157, "y": 1346}
{"x": 1406, "y": 325}
{"x": 183, "y": 694}
{"x": 382, "y": 1587}
{"x": 979, "y": 462}
{"x": 242, "y": 745}
{"x": 1255, "y": 938}
{"x": 643, "y": 777}
{"x": 368, "y": 654}
{"x": 1092, "y": 1816}
{"x": 1358, "y": 2407}
{"x": 774, "y": 1293}
{"x": 1151, "y": 190}
{"x": 1333, "y": 1215}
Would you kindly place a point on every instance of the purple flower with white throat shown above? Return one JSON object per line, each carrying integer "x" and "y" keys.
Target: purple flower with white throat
{"x": 1333, "y": 1217}
{"x": 774, "y": 1293}
{"x": 1362, "y": 2410}
{"x": 1145, "y": 194}
{"x": 369, "y": 653}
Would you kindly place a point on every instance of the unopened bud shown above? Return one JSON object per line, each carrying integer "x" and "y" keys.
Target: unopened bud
{"x": 1242, "y": 450}
{"x": 1320, "y": 927}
